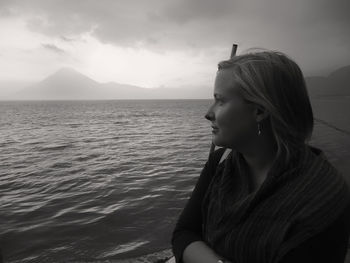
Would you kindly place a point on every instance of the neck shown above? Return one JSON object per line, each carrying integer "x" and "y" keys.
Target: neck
{"x": 259, "y": 155}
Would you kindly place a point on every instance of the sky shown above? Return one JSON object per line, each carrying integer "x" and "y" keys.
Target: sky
{"x": 165, "y": 43}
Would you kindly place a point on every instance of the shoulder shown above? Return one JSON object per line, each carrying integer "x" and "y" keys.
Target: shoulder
{"x": 344, "y": 220}
{"x": 341, "y": 225}
{"x": 329, "y": 245}
{"x": 334, "y": 238}
{"x": 337, "y": 231}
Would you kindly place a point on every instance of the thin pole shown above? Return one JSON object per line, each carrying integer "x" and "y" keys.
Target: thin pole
{"x": 234, "y": 49}
{"x": 233, "y": 53}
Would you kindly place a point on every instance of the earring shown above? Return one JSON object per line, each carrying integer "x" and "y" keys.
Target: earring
{"x": 259, "y": 131}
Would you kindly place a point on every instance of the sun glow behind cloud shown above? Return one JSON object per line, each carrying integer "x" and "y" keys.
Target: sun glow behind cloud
{"x": 139, "y": 66}
{"x": 30, "y": 56}
{"x": 163, "y": 42}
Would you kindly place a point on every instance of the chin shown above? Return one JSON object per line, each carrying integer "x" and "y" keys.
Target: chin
{"x": 219, "y": 142}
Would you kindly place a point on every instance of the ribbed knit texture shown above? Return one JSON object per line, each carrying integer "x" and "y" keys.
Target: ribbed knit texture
{"x": 294, "y": 203}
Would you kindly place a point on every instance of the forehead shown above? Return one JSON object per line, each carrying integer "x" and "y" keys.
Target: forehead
{"x": 225, "y": 84}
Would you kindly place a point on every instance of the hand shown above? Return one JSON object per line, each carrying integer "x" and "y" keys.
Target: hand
{"x": 225, "y": 260}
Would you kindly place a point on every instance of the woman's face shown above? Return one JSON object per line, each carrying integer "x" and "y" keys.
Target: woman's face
{"x": 230, "y": 114}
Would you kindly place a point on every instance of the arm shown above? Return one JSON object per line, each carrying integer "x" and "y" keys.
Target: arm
{"x": 328, "y": 246}
{"x": 187, "y": 243}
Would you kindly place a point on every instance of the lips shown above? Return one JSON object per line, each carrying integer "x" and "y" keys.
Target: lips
{"x": 214, "y": 127}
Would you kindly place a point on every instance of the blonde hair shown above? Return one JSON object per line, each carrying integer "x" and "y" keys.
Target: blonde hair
{"x": 275, "y": 82}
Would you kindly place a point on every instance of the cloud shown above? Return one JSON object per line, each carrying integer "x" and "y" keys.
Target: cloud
{"x": 313, "y": 32}
{"x": 71, "y": 39}
{"x": 53, "y": 48}
{"x": 183, "y": 12}
{"x": 176, "y": 24}
{"x": 197, "y": 26}
{"x": 128, "y": 22}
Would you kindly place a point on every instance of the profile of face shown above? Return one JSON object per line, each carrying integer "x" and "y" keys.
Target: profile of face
{"x": 234, "y": 119}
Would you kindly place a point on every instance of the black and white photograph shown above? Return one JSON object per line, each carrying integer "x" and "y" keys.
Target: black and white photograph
{"x": 175, "y": 131}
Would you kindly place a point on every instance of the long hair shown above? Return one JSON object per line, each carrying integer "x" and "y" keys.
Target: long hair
{"x": 275, "y": 82}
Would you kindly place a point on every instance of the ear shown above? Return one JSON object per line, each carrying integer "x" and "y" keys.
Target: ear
{"x": 260, "y": 113}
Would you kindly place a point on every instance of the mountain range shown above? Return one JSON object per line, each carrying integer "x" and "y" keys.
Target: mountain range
{"x": 335, "y": 84}
{"x": 69, "y": 84}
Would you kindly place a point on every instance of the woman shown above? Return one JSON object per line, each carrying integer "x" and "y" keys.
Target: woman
{"x": 275, "y": 198}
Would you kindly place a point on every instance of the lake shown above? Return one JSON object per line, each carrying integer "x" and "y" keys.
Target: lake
{"x": 106, "y": 180}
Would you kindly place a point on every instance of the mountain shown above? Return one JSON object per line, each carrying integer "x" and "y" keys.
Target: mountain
{"x": 8, "y": 88}
{"x": 66, "y": 83}
{"x": 69, "y": 84}
{"x": 335, "y": 84}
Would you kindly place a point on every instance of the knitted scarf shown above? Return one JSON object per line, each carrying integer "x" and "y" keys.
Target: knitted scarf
{"x": 294, "y": 203}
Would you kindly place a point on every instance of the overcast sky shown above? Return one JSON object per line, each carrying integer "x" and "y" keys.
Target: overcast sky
{"x": 152, "y": 43}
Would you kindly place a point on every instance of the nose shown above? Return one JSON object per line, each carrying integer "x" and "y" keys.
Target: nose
{"x": 210, "y": 114}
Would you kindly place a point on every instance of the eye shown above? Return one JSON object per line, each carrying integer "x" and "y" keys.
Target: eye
{"x": 219, "y": 100}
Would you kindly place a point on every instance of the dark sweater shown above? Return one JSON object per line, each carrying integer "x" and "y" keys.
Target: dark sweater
{"x": 327, "y": 246}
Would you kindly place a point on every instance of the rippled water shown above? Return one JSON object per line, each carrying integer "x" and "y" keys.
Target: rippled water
{"x": 100, "y": 180}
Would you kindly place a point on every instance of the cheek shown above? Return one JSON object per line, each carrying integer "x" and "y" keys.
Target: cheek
{"x": 234, "y": 123}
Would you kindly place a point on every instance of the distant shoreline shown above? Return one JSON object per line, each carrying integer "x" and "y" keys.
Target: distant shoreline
{"x": 58, "y": 100}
